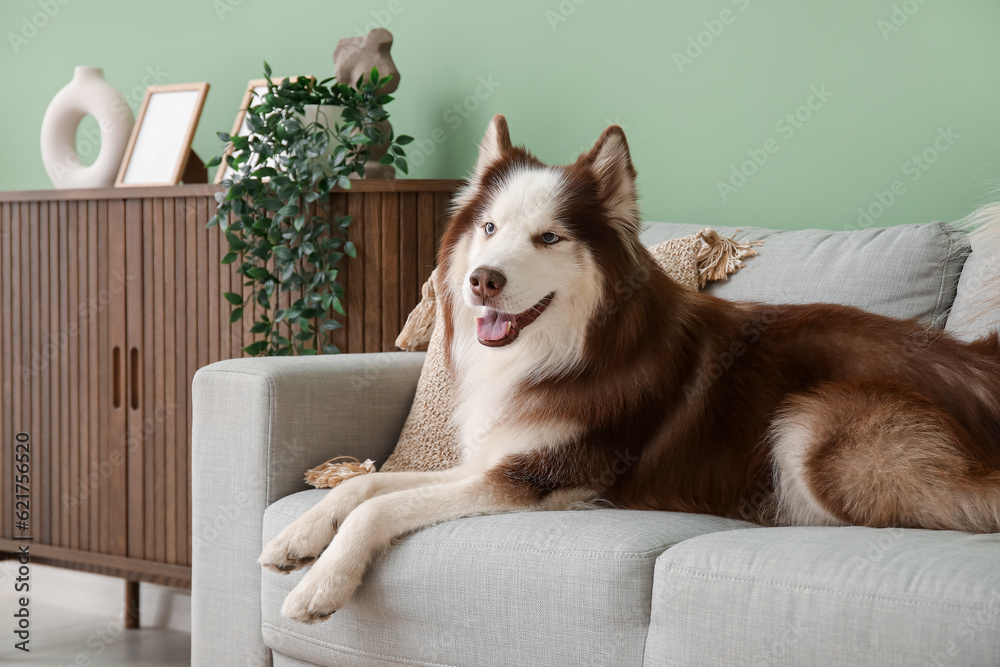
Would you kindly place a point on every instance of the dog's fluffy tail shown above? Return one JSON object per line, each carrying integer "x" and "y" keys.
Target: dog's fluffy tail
{"x": 977, "y": 315}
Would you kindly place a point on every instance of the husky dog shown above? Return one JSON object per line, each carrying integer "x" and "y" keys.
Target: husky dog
{"x": 584, "y": 374}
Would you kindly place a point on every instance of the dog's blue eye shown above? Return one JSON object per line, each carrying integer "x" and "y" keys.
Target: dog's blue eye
{"x": 490, "y": 228}
{"x": 549, "y": 237}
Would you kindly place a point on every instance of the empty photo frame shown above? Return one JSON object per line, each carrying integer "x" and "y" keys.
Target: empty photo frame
{"x": 158, "y": 150}
{"x": 253, "y": 95}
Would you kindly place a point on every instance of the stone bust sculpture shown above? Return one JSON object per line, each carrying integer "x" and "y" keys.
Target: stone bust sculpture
{"x": 354, "y": 57}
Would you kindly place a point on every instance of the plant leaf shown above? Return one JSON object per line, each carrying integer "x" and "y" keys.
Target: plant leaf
{"x": 270, "y": 203}
{"x": 232, "y": 298}
{"x": 255, "y": 349}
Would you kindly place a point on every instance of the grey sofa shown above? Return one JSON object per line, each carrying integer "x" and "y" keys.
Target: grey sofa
{"x": 605, "y": 587}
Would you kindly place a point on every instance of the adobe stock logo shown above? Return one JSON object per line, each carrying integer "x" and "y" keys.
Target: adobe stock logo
{"x": 900, "y": 16}
{"x": 914, "y": 168}
{"x": 787, "y": 126}
{"x": 566, "y": 8}
{"x": 454, "y": 117}
{"x": 30, "y": 25}
{"x": 697, "y": 44}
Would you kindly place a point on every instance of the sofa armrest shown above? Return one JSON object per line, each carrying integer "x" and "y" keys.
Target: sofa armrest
{"x": 258, "y": 424}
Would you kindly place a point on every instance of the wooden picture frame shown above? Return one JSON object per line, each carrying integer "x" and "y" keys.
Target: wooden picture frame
{"x": 255, "y": 87}
{"x": 163, "y": 131}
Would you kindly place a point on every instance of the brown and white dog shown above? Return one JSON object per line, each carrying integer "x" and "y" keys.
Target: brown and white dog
{"x": 585, "y": 374}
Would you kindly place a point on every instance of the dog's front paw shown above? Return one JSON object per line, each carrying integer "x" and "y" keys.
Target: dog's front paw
{"x": 295, "y": 547}
{"x": 317, "y": 598}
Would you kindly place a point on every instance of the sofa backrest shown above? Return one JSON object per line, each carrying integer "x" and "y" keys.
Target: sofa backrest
{"x": 909, "y": 271}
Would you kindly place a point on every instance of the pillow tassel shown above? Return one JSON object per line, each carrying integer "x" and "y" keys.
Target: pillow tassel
{"x": 720, "y": 257}
{"x": 416, "y": 333}
{"x": 333, "y": 472}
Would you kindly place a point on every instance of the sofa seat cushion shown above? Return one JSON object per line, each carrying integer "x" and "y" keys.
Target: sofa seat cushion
{"x": 539, "y": 588}
{"x": 827, "y": 596}
{"x": 909, "y": 271}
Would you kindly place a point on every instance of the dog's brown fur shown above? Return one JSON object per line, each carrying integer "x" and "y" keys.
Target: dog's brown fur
{"x": 702, "y": 405}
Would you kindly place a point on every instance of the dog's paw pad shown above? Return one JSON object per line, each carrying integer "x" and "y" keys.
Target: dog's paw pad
{"x": 319, "y": 616}
{"x": 292, "y": 549}
{"x": 301, "y": 606}
{"x": 319, "y": 595}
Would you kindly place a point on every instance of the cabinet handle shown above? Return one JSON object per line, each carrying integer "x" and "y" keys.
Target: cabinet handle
{"x": 116, "y": 375}
{"x": 134, "y": 389}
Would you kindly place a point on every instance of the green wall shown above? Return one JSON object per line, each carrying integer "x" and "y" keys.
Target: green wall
{"x": 829, "y": 106}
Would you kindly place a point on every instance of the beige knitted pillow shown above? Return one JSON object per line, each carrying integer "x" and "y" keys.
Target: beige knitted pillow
{"x": 429, "y": 440}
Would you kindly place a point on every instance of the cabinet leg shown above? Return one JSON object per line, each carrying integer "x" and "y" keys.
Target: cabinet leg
{"x": 132, "y": 605}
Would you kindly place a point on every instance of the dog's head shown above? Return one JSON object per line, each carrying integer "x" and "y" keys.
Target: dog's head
{"x": 532, "y": 250}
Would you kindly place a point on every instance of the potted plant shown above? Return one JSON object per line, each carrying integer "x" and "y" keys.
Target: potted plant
{"x": 274, "y": 208}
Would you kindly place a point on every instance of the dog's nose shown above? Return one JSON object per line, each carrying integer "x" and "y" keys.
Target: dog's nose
{"x": 487, "y": 282}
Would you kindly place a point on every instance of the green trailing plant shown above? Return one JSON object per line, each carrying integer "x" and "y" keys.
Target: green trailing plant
{"x": 274, "y": 208}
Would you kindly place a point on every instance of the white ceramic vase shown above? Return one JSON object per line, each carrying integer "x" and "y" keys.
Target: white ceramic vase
{"x": 87, "y": 94}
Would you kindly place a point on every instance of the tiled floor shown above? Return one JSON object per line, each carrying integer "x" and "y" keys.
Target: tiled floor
{"x": 76, "y": 620}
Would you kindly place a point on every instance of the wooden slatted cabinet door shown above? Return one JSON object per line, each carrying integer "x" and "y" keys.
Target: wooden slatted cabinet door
{"x": 121, "y": 274}
{"x": 63, "y": 300}
{"x": 184, "y": 326}
{"x": 171, "y": 334}
{"x": 138, "y": 261}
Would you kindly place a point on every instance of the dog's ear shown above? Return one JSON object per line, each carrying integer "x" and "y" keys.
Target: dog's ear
{"x": 495, "y": 143}
{"x": 611, "y": 162}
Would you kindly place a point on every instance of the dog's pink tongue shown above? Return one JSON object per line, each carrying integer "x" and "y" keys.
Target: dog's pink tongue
{"x": 492, "y": 325}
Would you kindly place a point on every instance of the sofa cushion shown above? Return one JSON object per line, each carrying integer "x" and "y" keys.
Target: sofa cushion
{"x": 909, "y": 271}
{"x": 539, "y": 588}
{"x": 976, "y": 311}
{"x": 827, "y": 596}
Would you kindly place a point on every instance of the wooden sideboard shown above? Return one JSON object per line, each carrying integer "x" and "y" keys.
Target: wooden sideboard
{"x": 110, "y": 300}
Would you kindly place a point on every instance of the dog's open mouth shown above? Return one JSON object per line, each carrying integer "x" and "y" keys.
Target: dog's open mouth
{"x": 496, "y": 329}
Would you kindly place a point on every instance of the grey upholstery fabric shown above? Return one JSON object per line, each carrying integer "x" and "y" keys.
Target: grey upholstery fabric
{"x": 827, "y": 597}
{"x": 532, "y": 588}
{"x": 258, "y": 425}
{"x": 910, "y": 271}
{"x": 284, "y": 661}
